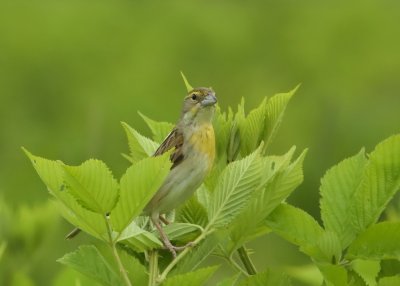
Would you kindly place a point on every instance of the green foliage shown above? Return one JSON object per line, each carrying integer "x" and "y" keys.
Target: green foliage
{"x": 242, "y": 199}
{"x": 89, "y": 261}
{"x": 353, "y": 195}
{"x": 138, "y": 185}
{"x": 92, "y": 185}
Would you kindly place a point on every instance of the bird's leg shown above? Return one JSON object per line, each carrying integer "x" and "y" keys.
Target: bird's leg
{"x": 164, "y": 220}
{"x": 163, "y": 236}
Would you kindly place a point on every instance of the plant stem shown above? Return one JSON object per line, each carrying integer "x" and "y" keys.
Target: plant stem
{"x": 236, "y": 266}
{"x": 245, "y": 258}
{"x": 181, "y": 255}
{"x": 153, "y": 267}
{"x": 115, "y": 253}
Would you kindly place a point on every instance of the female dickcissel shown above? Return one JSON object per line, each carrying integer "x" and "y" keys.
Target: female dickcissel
{"x": 193, "y": 144}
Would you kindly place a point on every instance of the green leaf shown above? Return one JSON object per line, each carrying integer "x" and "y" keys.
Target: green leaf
{"x": 334, "y": 275}
{"x": 233, "y": 190}
{"x": 138, "y": 185}
{"x": 381, "y": 180}
{"x": 182, "y": 232}
{"x": 88, "y": 260}
{"x": 329, "y": 245}
{"x": 222, "y": 126}
{"x": 267, "y": 278}
{"x": 337, "y": 189}
{"x": 187, "y": 84}
{"x": 137, "y": 273}
{"x": 275, "y": 110}
{"x": 140, "y": 146}
{"x": 296, "y": 226}
{"x": 390, "y": 281}
{"x": 159, "y": 129}
{"x": 251, "y": 129}
{"x": 195, "y": 278}
{"x": 380, "y": 241}
{"x": 229, "y": 281}
{"x": 52, "y": 173}
{"x": 308, "y": 274}
{"x": 368, "y": 270}
{"x": 92, "y": 185}
{"x": 139, "y": 239}
{"x": 192, "y": 212}
{"x": 279, "y": 180}
{"x": 198, "y": 253}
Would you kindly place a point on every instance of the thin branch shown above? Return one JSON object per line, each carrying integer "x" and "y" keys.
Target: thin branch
{"x": 181, "y": 255}
{"x": 112, "y": 244}
{"x": 153, "y": 267}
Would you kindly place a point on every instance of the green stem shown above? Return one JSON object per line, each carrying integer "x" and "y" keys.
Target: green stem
{"x": 181, "y": 255}
{"x": 153, "y": 267}
{"x": 245, "y": 258}
{"x": 233, "y": 263}
{"x": 115, "y": 253}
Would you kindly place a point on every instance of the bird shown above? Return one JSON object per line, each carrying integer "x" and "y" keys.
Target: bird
{"x": 192, "y": 146}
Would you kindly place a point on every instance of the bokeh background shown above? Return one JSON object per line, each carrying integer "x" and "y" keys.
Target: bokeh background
{"x": 70, "y": 71}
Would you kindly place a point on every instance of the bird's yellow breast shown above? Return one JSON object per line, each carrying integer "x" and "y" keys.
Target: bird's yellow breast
{"x": 203, "y": 141}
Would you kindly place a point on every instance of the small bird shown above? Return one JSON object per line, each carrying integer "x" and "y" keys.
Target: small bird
{"x": 192, "y": 141}
{"x": 193, "y": 144}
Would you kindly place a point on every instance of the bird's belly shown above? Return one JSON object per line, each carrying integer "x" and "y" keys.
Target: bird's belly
{"x": 180, "y": 184}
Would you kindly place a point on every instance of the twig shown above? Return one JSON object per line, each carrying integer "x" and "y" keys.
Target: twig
{"x": 112, "y": 244}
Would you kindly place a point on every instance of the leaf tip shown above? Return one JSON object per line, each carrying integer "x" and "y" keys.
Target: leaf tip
{"x": 187, "y": 84}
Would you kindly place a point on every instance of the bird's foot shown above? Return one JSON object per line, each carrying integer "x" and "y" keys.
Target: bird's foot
{"x": 174, "y": 249}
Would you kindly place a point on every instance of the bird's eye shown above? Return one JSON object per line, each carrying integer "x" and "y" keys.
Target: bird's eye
{"x": 194, "y": 96}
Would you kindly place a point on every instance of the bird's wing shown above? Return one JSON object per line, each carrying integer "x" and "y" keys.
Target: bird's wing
{"x": 173, "y": 140}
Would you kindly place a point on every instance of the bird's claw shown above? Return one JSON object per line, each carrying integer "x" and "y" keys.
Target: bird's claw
{"x": 174, "y": 249}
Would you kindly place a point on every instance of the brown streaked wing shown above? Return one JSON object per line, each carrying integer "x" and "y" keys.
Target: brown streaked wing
{"x": 173, "y": 140}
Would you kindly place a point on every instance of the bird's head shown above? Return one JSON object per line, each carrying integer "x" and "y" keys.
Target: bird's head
{"x": 199, "y": 105}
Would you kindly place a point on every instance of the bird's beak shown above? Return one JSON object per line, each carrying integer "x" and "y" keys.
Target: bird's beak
{"x": 209, "y": 100}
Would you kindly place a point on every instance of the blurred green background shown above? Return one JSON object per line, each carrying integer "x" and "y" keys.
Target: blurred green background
{"x": 70, "y": 71}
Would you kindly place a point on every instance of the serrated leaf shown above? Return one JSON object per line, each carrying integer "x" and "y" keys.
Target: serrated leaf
{"x": 337, "y": 189}
{"x": 389, "y": 281}
{"x": 380, "y": 241}
{"x": 88, "y": 260}
{"x": 198, "y": 254}
{"x": 196, "y": 278}
{"x": 381, "y": 180}
{"x": 51, "y": 173}
{"x": 368, "y": 270}
{"x": 222, "y": 125}
{"x": 140, "y": 146}
{"x": 279, "y": 182}
{"x": 137, "y": 186}
{"x": 159, "y": 129}
{"x": 234, "y": 189}
{"x": 251, "y": 129}
{"x": 192, "y": 212}
{"x": 275, "y": 110}
{"x": 137, "y": 272}
{"x": 267, "y": 278}
{"x": 330, "y": 247}
{"x": 334, "y": 275}
{"x": 182, "y": 232}
{"x": 92, "y": 185}
{"x": 296, "y": 226}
